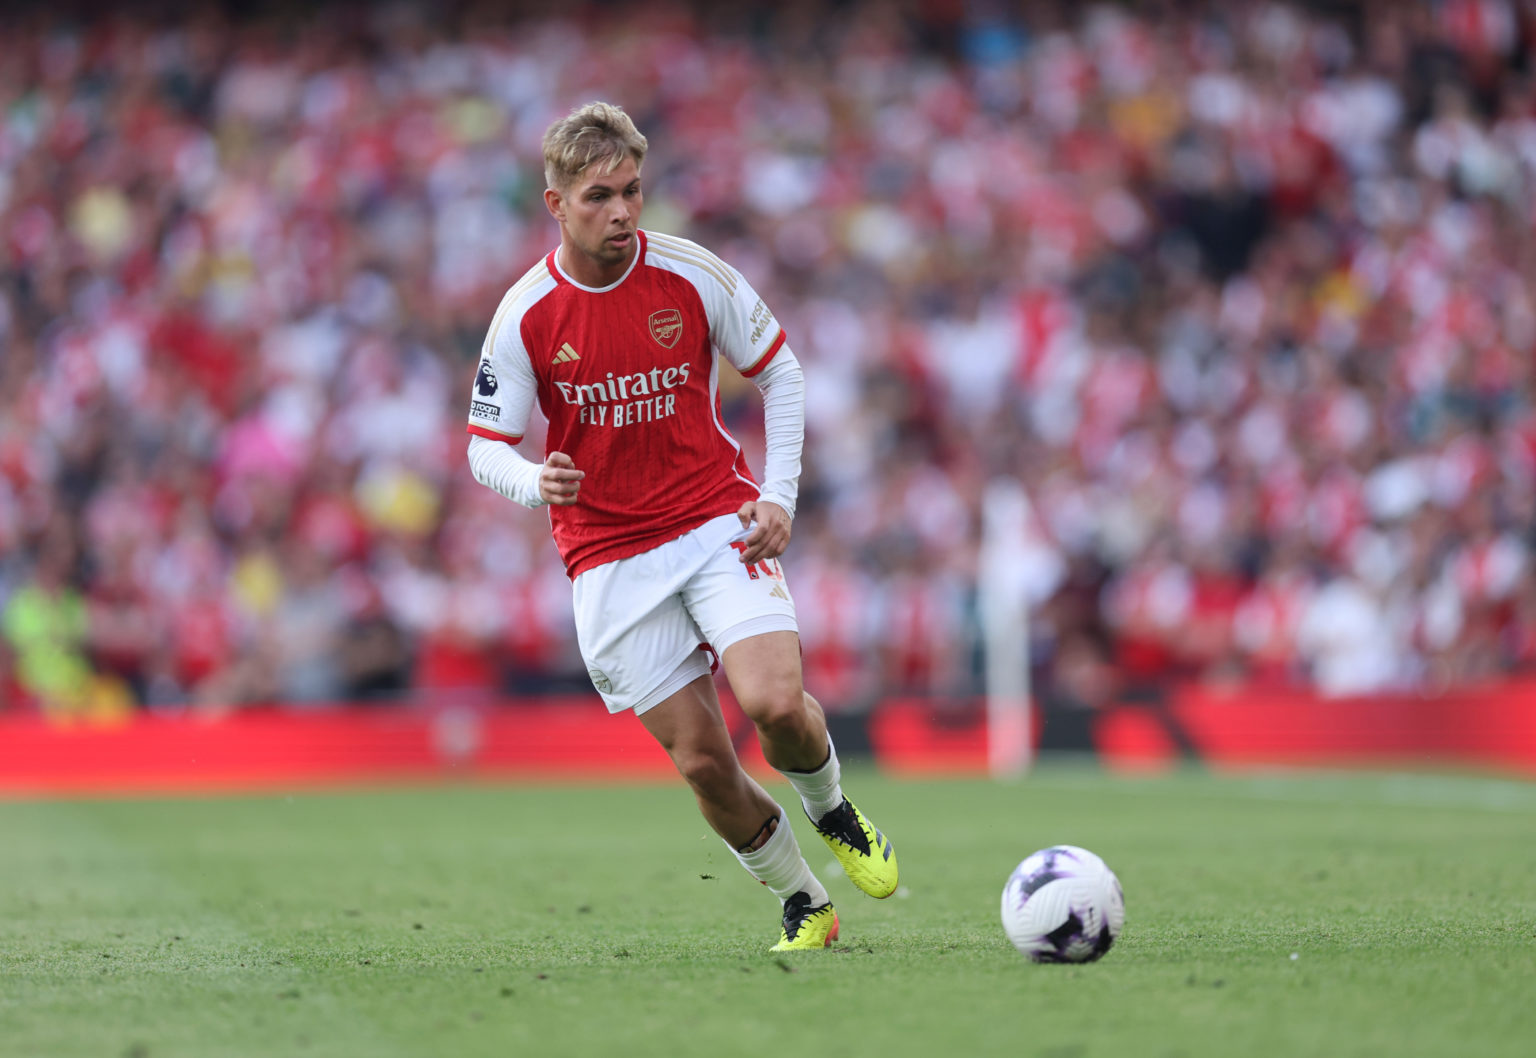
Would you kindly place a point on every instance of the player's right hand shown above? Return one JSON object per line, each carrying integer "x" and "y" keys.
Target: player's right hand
{"x": 560, "y": 481}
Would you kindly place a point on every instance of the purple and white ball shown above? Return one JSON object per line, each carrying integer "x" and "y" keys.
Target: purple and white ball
{"x": 1063, "y": 904}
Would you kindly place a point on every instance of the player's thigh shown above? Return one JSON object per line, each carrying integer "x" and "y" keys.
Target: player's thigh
{"x": 689, "y": 720}
{"x": 764, "y": 672}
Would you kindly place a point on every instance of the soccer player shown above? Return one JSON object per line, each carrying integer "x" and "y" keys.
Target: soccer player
{"x": 670, "y": 543}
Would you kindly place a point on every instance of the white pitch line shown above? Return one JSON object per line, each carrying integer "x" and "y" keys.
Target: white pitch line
{"x": 1394, "y": 789}
{"x": 1304, "y": 786}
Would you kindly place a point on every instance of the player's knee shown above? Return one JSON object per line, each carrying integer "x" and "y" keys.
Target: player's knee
{"x": 780, "y": 714}
{"x": 709, "y": 773}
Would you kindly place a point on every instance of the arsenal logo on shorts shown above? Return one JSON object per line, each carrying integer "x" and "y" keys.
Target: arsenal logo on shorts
{"x": 667, "y": 326}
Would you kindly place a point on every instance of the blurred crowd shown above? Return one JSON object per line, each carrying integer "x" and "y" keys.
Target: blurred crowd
{"x": 1242, "y": 294}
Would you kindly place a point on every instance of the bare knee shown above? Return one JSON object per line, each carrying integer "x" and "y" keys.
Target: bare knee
{"x": 780, "y": 712}
{"x": 712, "y": 775}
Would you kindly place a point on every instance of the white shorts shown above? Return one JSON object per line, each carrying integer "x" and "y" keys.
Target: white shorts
{"x": 646, "y": 624}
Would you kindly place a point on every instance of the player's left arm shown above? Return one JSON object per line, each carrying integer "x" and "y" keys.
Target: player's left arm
{"x": 782, "y": 384}
{"x": 745, "y": 332}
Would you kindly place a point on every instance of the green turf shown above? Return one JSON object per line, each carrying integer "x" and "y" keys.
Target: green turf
{"x": 1303, "y": 915}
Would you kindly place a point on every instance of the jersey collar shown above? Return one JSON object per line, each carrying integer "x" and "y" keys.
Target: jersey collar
{"x": 553, "y": 261}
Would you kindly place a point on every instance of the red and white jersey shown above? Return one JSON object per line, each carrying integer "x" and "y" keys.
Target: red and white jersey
{"x": 627, "y": 376}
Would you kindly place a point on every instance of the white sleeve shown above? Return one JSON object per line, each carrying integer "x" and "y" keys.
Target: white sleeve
{"x": 499, "y": 406}
{"x": 499, "y": 466}
{"x": 783, "y": 387}
{"x": 743, "y": 328}
{"x": 505, "y": 387}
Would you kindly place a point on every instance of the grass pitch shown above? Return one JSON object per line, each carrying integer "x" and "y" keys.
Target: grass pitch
{"x": 1279, "y": 915}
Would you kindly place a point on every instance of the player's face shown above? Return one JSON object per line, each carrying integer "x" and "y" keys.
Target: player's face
{"x": 598, "y": 215}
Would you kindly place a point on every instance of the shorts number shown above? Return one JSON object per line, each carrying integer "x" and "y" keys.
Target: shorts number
{"x": 764, "y": 564}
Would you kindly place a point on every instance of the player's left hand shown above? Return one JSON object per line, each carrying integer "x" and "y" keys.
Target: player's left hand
{"x": 770, "y": 537}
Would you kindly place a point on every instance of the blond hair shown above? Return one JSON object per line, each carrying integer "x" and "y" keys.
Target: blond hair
{"x": 596, "y": 134}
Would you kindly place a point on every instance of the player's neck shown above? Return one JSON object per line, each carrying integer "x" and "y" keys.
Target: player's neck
{"x": 590, "y": 272}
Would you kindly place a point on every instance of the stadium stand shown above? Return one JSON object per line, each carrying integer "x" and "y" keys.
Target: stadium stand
{"x": 1244, "y": 295}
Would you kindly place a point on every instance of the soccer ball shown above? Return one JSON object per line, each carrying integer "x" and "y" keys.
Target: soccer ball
{"x": 1063, "y": 904}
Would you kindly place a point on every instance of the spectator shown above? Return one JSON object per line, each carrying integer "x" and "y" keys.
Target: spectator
{"x": 1242, "y": 296}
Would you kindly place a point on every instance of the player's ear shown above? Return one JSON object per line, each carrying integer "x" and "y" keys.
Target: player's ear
{"x": 555, "y": 203}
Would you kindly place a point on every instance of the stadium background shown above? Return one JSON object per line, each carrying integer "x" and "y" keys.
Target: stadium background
{"x": 1242, "y": 295}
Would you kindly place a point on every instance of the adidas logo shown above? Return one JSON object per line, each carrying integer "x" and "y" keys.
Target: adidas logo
{"x": 566, "y": 354}
{"x": 778, "y": 592}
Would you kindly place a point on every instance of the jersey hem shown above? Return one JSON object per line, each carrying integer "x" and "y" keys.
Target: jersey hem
{"x": 629, "y": 548}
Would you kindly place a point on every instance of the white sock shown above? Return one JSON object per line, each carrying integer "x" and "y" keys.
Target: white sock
{"x": 779, "y": 866}
{"x": 820, "y": 790}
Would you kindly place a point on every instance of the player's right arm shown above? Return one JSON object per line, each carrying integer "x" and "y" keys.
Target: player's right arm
{"x": 500, "y": 403}
{"x": 499, "y": 466}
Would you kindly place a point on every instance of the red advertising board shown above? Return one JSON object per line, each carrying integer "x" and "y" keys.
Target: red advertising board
{"x": 1485, "y": 727}
{"x": 574, "y": 739}
{"x": 265, "y": 748}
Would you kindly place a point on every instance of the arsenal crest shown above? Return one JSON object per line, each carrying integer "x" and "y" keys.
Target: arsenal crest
{"x": 667, "y": 326}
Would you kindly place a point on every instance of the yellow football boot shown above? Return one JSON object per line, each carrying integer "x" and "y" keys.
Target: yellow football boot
{"x": 866, "y": 854}
{"x": 806, "y": 928}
